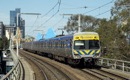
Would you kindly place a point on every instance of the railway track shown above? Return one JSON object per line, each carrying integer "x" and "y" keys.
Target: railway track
{"x": 104, "y": 75}
{"x": 48, "y": 71}
{"x": 54, "y": 70}
{"x": 35, "y": 64}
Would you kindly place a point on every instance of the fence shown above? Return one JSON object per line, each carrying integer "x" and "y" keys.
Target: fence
{"x": 15, "y": 72}
{"x": 115, "y": 64}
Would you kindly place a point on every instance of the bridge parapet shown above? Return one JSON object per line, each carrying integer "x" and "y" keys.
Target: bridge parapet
{"x": 124, "y": 66}
{"x": 16, "y": 71}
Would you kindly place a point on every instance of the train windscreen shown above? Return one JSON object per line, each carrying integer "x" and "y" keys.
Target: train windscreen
{"x": 86, "y": 44}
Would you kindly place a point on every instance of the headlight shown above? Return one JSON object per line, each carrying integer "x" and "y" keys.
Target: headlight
{"x": 77, "y": 56}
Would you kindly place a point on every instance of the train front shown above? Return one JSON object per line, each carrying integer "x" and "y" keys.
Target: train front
{"x": 86, "y": 47}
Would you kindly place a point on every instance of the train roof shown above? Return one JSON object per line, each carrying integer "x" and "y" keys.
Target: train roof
{"x": 80, "y": 33}
{"x": 62, "y": 37}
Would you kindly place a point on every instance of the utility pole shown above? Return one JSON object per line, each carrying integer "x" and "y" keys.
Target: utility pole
{"x": 62, "y": 30}
{"x": 41, "y": 31}
{"x": 79, "y": 20}
{"x": 18, "y": 26}
{"x": 79, "y": 23}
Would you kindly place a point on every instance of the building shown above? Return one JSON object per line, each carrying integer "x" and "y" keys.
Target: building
{"x": 9, "y": 31}
{"x": 21, "y": 22}
{"x": 2, "y": 30}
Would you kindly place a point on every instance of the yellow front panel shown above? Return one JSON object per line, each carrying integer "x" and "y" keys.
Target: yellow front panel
{"x": 98, "y": 51}
{"x": 86, "y": 52}
{"x": 75, "y": 52}
{"x": 92, "y": 52}
{"x": 86, "y": 37}
{"x": 81, "y": 52}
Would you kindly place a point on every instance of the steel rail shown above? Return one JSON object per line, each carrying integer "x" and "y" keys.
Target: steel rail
{"x": 41, "y": 62}
{"x": 30, "y": 58}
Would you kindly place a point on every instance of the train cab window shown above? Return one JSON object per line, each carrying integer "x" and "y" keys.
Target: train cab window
{"x": 93, "y": 44}
{"x": 79, "y": 44}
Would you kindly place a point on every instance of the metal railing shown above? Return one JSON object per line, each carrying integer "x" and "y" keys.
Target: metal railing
{"x": 15, "y": 72}
{"x": 124, "y": 66}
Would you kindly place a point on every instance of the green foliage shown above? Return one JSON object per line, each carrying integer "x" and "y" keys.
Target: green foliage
{"x": 4, "y": 43}
{"x": 88, "y": 23}
{"x": 113, "y": 33}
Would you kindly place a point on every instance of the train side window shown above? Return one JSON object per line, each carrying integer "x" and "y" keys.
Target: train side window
{"x": 40, "y": 44}
{"x": 65, "y": 44}
{"x": 49, "y": 44}
{"x": 52, "y": 44}
{"x": 70, "y": 43}
{"x": 56, "y": 44}
{"x": 60, "y": 44}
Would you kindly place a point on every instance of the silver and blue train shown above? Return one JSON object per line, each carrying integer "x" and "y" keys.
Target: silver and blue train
{"x": 82, "y": 47}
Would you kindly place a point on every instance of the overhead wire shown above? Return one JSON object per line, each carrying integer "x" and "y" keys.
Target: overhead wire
{"x": 51, "y": 9}
{"x": 103, "y": 13}
{"x": 59, "y": 2}
{"x": 58, "y": 21}
{"x": 99, "y": 7}
{"x": 33, "y": 25}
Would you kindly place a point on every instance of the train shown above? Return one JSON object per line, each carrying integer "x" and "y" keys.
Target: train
{"x": 82, "y": 48}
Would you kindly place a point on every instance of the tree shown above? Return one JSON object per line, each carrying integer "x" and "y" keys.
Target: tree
{"x": 121, "y": 13}
{"x": 88, "y": 23}
{"x": 4, "y": 43}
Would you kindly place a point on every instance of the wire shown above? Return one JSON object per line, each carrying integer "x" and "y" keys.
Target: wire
{"x": 49, "y": 19}
{"x": 77, "y": 7}
{"x": 33, "y": 25}
{"x": 51, "y": 9}
{"x": 59, "y": 2}
{"x": 58, "y": 21}
{"x": 103, "y": 13}
{"x": 99, "y": 7}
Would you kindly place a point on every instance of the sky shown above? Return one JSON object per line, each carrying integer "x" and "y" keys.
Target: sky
{"x": 50, "y": 16}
